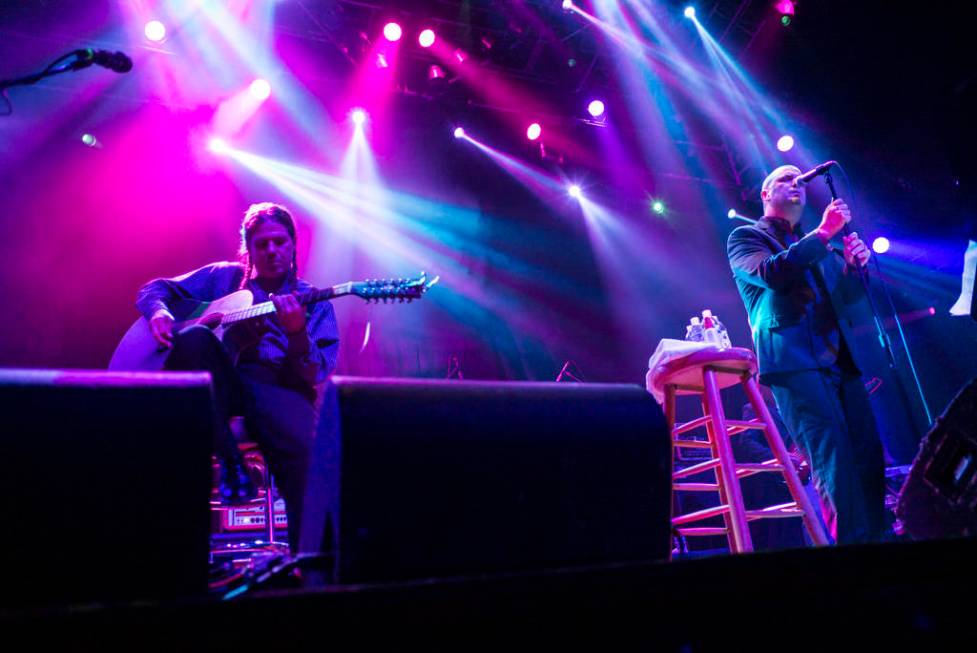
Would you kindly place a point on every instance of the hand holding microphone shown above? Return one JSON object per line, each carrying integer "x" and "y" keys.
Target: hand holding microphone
{"x": 835, "y": 217}
{"x": 856, "y": 252}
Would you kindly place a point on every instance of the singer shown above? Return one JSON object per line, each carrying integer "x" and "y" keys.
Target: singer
{"x": 800, "y": 299}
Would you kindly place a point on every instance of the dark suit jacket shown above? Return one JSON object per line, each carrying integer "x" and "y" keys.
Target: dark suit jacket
{"x": 798, "y": 298}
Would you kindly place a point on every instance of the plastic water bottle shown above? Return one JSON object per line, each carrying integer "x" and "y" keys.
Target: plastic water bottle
{"x": 713, "y": 331}
{"x": 693, "y": 332}
{"x": 724, "y": 341}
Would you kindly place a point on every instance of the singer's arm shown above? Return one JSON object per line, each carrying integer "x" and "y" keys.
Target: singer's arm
{"x": 751, "y": 259}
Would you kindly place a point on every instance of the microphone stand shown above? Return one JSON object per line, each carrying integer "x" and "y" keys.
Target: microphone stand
{"x": 863, "y": 276}
{"x": 63, "y": 64}
{"x": 883, "y": 335}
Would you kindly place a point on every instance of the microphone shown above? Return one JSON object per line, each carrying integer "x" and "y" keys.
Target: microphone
{"x": 116, "y": 61}
{"x": 806, "y": 178}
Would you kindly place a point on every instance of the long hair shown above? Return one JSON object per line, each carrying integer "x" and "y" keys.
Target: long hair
{"x": 254, "y": 217}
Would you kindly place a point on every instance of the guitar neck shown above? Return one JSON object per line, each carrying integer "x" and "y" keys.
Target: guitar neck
{"x": 304, "y": 297}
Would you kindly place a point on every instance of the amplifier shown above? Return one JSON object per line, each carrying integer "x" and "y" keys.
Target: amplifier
{"x": 251, "y": 518}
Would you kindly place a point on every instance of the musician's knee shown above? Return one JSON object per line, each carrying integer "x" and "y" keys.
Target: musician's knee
{"x": 194, "y": 343}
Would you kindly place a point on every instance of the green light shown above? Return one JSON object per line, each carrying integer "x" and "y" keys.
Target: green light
{"x": 785, "y": 20}
{"x": 658, "y": 207}
{"x": 89, "y": 140}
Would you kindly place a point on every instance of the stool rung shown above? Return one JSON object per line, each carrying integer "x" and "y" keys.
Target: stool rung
{"x": 781, "y": 511}
{"x": 706, "y": 513}
{"x": 712, "y": 463}
{"x": 749, "y": 469}
{"x": 692, "y": 444}
{"x": 700, "y": 531}
{"x": 689, "y": 426}
{"x": 695, "y": 487}
{"x": 734, "y": 426}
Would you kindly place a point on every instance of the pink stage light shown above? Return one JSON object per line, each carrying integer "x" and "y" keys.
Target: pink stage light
{"x": 392, "y": 32}
{"x": 435, "y": 72}
{"x": 426, "y": 38}
{"x": 534, "y": 131}
{"x": 155, "y": 31}
{"x": 596, "y": 108}
{"x": 358, "y": 116}
{"x": 459, "y": 132}
{"x": 260, "y": 89}
{"x": 785, "y": 7}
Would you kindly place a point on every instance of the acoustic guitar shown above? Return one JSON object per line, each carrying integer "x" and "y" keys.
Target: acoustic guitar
{"x": 138, "y": 350}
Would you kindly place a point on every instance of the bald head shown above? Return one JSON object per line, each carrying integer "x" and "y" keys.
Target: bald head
{"x": 777, "y": 172}
{"x": 781, "y": 197}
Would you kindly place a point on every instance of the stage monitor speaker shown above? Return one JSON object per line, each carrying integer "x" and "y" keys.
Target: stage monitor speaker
{"x": 415, "y": 479}
{"x": 939, "y": 497}
{"x": 104, "y": 486}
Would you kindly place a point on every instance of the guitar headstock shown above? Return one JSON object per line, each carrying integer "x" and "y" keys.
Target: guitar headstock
{"x": 404, "y": 290}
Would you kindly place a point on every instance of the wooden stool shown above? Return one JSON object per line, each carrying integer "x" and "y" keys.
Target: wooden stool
{"x": 704, "y": 374}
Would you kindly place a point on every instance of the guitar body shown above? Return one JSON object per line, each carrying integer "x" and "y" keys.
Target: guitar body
{"x": 139, "y": 351}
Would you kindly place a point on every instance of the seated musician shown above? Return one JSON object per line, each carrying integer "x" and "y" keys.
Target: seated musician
{"x": 265, "y": 369}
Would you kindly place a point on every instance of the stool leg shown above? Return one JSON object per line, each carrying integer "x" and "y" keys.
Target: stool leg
{"x": 670, "y": 421}
{"x": 719, "y": 435}
{"x": 776, "y": 443}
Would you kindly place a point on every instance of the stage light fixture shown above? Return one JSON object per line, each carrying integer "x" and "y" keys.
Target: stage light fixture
{"x": 218, "y": 145}
{"x": 658, "y": 207}
{"x": 392, "y": 32}
{"x": 689, "y": 12}
{"x": 568, "y": 4}
{"x": 785, "y": 143}
{"x": 575, "y": 191}
{"x": 260, "y": 89}
{"x": 89, "y": 140}
{"x": 459, "y": 132}
{"x": 426, "y": 38}
{"x": 881, "y": 245}
{"x": 731, "y": 214}
{"x": 155, "y": 31}
{"x": 534, "y": 131}
{"x": 786, "y": 10}
{"x": 434, "y": 72}
{"x": 358, "y": 116}
{"x": 596, "y": 108}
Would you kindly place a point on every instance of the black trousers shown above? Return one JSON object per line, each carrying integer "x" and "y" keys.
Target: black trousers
{"x": 281, "y": 420}
{"x": 830, "y": 418}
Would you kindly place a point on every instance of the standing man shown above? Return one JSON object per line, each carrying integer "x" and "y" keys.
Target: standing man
{"x": 267, "y": 371}
{"x": 798, "y": 295}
